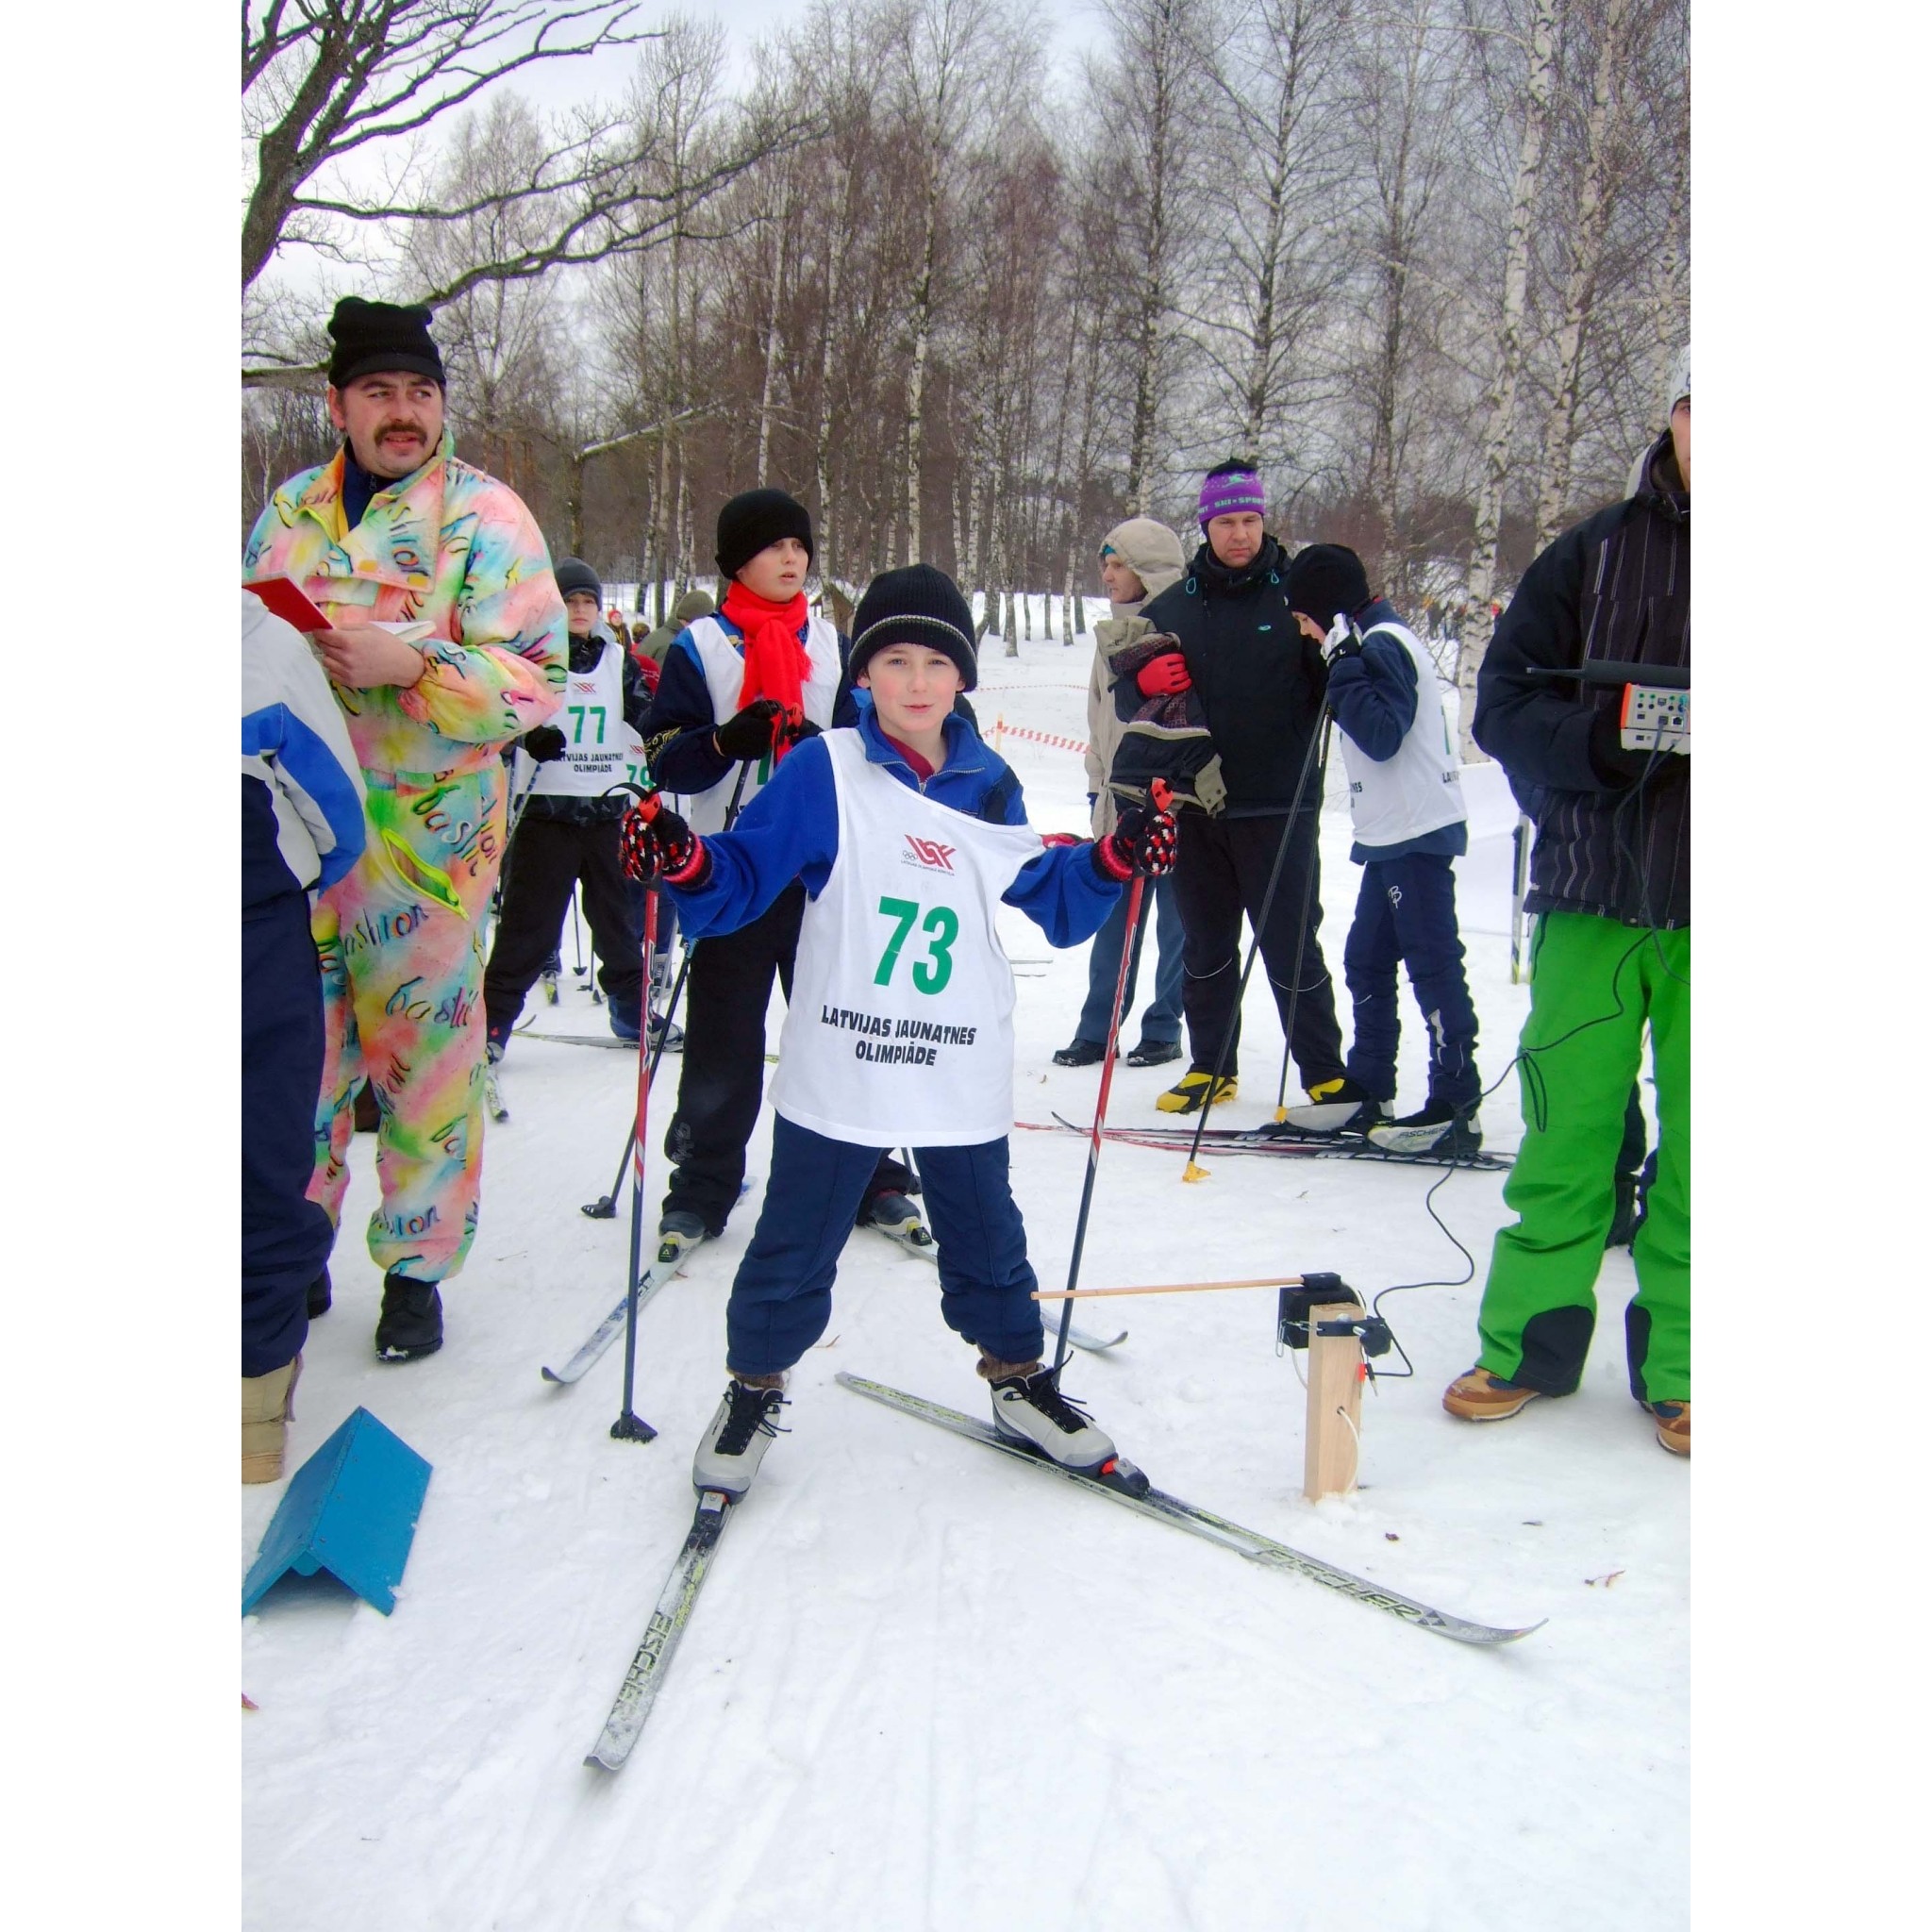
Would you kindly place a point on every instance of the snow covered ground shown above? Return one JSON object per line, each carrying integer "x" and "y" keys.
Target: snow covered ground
{"x": 926, "y": 1686}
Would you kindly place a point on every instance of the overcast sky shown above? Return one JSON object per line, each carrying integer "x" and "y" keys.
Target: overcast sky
{"x": 1068, "y": 25}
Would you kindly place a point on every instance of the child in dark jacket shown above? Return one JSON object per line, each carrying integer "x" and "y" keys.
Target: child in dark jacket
{"x": 1404, "y": 791}
{"x": 907, "y": 834}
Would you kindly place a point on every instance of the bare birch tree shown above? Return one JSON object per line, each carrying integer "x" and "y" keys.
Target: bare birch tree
{"x": 1538, "y": 79}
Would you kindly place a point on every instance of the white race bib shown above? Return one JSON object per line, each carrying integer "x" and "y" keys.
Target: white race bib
{"x": 594, "y": 733}
{"x": 900, "y": 1028}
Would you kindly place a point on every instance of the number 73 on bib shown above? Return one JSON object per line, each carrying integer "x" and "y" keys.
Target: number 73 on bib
{"x": 941, "y": 926}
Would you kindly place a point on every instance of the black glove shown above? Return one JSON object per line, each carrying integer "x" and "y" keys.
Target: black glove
{"x": 545, "y": 743}
{"x": 654, "y": 843}
{"x": 797, "y": 733}
{"x": 1144, "y": 842}
{"x": 752, "y": 732}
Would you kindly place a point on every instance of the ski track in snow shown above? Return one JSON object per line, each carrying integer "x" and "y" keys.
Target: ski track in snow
{"x": 924, "y": 1683}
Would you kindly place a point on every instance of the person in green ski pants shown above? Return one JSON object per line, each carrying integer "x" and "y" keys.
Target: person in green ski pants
{"x": 1610, "y": 885}
{"x": 1576, "y": 1068}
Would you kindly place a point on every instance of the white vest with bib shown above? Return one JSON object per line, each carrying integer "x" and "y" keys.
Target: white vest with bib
{"x": 724, "y": 666}
{"x": 1419, "y": 788}
{"x": 900, "y": 1030}
{"x": 596, "y": 736}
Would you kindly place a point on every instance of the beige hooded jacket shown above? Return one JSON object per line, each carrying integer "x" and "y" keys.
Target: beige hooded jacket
{"x": 1153, "y": 553}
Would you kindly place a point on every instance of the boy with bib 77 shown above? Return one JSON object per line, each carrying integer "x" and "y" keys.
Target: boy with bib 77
{"x": 909, "y": 833}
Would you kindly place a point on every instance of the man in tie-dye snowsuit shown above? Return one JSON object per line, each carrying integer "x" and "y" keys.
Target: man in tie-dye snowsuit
{"x": 395, "y": 532}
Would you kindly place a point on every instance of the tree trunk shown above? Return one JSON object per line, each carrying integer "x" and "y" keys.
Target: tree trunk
{"x": 767, "y": 402}
{"x": 1593, "y": 200}
{"x": 1154, "y": 294}
{"x": 1501, "y": 412}
{"x": 915, "y": 380}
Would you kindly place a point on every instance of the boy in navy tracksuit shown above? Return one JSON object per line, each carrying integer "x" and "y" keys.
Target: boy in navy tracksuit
{"x": 907, "y": 834}
{"x": 1406, "y": 793}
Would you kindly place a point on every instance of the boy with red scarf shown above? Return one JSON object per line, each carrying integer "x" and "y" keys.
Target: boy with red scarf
{"x": 738, "y": 689}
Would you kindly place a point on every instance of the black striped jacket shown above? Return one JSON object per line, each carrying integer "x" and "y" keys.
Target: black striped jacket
{"x": 1616, "y": 586}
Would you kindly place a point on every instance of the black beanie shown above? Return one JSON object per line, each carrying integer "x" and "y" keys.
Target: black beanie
{"x": 1324, "y": 580}
{"x": 918, "y": 605}
{"x": 573, "y": 573}
{"x": 755, "y": 518}
{"x": 373, "y": 336}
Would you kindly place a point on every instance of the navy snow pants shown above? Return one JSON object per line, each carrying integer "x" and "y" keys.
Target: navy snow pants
{"x": 286, "y": 1237}
{"x": 1407, "y": 916}
{"x": 782, "y": 1298}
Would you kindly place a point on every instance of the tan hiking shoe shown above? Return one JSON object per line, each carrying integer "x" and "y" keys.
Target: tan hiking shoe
{"x": 1673, "y": 1425}
{"x": 1481, "y": 1397}
{"x": 266, "y": 1408}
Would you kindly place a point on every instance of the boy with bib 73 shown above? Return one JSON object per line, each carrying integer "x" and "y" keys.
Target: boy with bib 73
{"x": 909, "y": 833}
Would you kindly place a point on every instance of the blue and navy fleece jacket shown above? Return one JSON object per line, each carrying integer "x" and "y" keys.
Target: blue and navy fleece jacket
{"x": 1374, "y": 697}
{"x": 791, "y": 831}
{"x": 302, "y": 820}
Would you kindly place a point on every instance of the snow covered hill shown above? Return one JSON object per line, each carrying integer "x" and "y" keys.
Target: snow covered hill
{"x": 929, "y": 1687}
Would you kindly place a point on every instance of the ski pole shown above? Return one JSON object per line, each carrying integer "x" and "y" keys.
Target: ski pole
{"x": 605, "y": 1207}
{"x": 1301, "y": 936}
{"x": 512, "y": 819}
{"x": 630, "y": 1426}
{"x": 1519, "y": 888}
{"x": 576, "y": 933}
{"x": 1159, "y": 794}
{"x": 1194, "y": 1171}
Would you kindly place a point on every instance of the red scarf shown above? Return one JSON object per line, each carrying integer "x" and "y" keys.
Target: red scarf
{"x": 776, "y": 663}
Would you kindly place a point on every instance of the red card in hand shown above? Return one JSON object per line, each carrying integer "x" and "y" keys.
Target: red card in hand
{"x": 289, "y": 603}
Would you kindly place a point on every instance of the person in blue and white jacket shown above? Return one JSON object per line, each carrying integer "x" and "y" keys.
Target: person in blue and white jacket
{"x": 907, "y": 834}
{"x": 1404, "y": 791}
{"x": 302, "y": 829}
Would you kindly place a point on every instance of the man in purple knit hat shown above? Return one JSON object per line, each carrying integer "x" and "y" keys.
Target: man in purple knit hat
{"x": 1261, "y": 687}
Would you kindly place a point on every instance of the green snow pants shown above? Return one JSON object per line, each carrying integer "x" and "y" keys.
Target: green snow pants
{"x": 1593, "y": 983}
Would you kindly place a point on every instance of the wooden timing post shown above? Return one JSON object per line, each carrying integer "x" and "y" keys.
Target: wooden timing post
{"x": 1332, "y": 1447}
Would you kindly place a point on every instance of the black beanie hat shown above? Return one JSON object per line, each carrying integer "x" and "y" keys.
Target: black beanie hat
{"x": 755, "y": 518}
{"x": 573, "y": 573}
{"x": 373, "y": 336}
{"x": 918, "y": 605}
{"x": 1325, "y": 580}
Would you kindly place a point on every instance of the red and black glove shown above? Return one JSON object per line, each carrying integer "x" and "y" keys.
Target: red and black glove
{"x": 1144, "y": 839}
{"x": 654, "y": 844}
{"x": 545, "y": 743}
{"x": 1165, "y": 677}
{"x": 799, "y": 727}
{"x": 753, "y": 731}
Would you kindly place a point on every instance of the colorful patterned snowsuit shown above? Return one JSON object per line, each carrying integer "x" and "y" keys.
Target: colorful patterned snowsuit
{"x": 400, "y": 937}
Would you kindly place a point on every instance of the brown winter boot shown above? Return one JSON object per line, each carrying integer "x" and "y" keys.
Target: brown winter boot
{"x": 1673, "y": 1425}
{"x": 266, "y": 1409}
{"x": 1481, "y": 1397}
{"x": 1002, "y": 1371}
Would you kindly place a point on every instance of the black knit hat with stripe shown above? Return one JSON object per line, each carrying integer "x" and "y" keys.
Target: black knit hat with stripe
{"x": 918, "y": 605}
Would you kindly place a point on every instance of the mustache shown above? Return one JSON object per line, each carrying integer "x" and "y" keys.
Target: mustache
{"x": 405, "y": 428}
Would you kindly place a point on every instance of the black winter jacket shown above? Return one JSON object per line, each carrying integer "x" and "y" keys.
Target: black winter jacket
{"x": 1262, "y": 684}
{"x": 1613, "y": 827}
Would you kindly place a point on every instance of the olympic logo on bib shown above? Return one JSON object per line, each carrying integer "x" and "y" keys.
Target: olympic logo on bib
{"x": 928, "y": 852}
